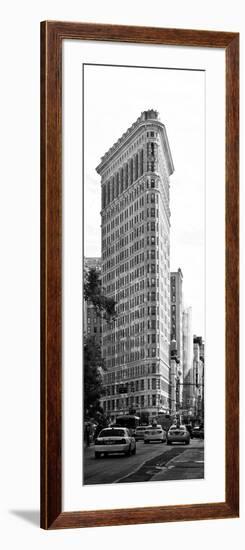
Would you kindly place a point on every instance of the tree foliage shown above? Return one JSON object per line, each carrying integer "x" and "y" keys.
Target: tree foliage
{"x": 93, "y": 292}
{"x": 93, "y": 363}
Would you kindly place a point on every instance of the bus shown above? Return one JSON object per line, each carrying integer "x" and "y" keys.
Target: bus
{"x": 129, "y": 421}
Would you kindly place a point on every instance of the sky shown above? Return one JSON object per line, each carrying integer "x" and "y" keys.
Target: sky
{"x": 114, "y": 98}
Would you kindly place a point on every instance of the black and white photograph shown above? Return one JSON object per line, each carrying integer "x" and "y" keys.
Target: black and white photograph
{"x": 143, "y": 274}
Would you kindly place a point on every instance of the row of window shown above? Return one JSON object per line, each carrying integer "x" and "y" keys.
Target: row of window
{"x": 150, "y": 324}
{"x": 148, "y": 226}
{"x": 137, "y": 355}
{"x": 133, "y": 386}
{"x": 135, "y": 371}
{"x": 131, "y": 343}
{"x": 137, "y": 300}
{"x": 137, "y": 287}
{"x": 128, "y": 212}
{"x": 139, "y": 272}
{"x": 123, "y": 281}
{"x": 127, "y": 199}
{"x": 130, "y": 149}
{"x": 124, "y": 241}
{"x": 140, "y": 401}
{"x": 135, "y": 274}
{"x": 150, "y": 311}
{"x": 129, "y": 173}
{"x": 134, "y": 330}
{"x": 124, "y": 230}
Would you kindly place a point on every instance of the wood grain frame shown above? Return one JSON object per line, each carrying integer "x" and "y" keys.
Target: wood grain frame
{"x": 52, "y": 35}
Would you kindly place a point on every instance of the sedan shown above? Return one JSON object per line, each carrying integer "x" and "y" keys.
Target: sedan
{"x": 198, "y": 432}
{"x": 140, "y": 432}
{"x": 154, "y": 433}
{"x": 178, "y": 434}
{"x": 114, "y": 440}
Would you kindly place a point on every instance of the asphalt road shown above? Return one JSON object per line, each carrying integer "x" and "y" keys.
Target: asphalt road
{"x": 155, "y": 461}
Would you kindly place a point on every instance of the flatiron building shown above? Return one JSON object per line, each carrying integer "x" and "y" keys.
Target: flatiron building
{"x": 135, "y": 239}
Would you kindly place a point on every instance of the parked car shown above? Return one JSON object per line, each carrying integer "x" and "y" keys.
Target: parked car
{"x": 178, "y": 434}
{"x": 140, "y": 432}
{"x": 114, "y": 440}
{"x": 189, "y": 428}
{"x": 198, "y": 432}
{"x": 154, "y": 433}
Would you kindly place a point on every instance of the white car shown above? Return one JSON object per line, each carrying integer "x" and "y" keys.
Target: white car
{"x": 154, "y": 433}
{"x": 140, "y": 432}
{"x": 114, "y": 440}
{"x": 178, "y": 434}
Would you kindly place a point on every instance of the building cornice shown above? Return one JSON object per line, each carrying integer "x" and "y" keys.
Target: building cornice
{"x": 147, "y": 118}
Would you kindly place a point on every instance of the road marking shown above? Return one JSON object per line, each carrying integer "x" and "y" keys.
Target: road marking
{"x": 130, "y": 473}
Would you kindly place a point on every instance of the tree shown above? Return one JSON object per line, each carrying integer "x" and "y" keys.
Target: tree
{"x": 93, "y": 292}
{"x": 93, "y": 362}
{"x": 92, "y": 376}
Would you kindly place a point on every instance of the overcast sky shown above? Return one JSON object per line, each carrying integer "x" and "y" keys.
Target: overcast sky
{"x": 114, "y": 97}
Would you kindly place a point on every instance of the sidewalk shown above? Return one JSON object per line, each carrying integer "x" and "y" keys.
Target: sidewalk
{"x": 187, "y": 465}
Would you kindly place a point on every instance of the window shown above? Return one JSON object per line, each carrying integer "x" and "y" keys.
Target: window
{"x": 103, "y": 196}
{"x": 153, "y": 368}
{"x": 131, "y": 171}
{"x": 117, "y": 184}
{"x": 121, "y": 180}
{"x": 108, "y": 193}
{"x": 141, "y": 162}
{"x": 136, "y": 166}
{"x": 126, "y": 175}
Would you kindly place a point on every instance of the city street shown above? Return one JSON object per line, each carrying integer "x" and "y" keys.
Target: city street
{"x": 153, "y": 462}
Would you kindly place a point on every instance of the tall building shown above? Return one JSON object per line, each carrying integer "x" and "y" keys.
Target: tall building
{"x": 174, "y": 379}
{"x": 188, "y": 376}
{"x": 135, "y": 229}
{"x": 198, "y": 373}
{"x": 92, "y": 321}
{"x": 176, "y": 297}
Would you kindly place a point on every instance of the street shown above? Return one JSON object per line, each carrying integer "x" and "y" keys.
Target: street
{"x": 154, "y": 462}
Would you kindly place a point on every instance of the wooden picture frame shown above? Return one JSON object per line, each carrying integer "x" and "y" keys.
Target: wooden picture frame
{"x": 52, "y": 35}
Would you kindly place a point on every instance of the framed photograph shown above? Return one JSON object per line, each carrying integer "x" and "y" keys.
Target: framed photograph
{"x": 139, "y": 275}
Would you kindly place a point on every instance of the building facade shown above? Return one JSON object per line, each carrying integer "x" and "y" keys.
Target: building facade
{"x": 92, "y": 324}
{"x": 176, "y": 295}
{"x": 188, "y": 376}
{"x": 135, "y": 231}
{"x": 198, "y": 375}
{"x": 174, "y": 408}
